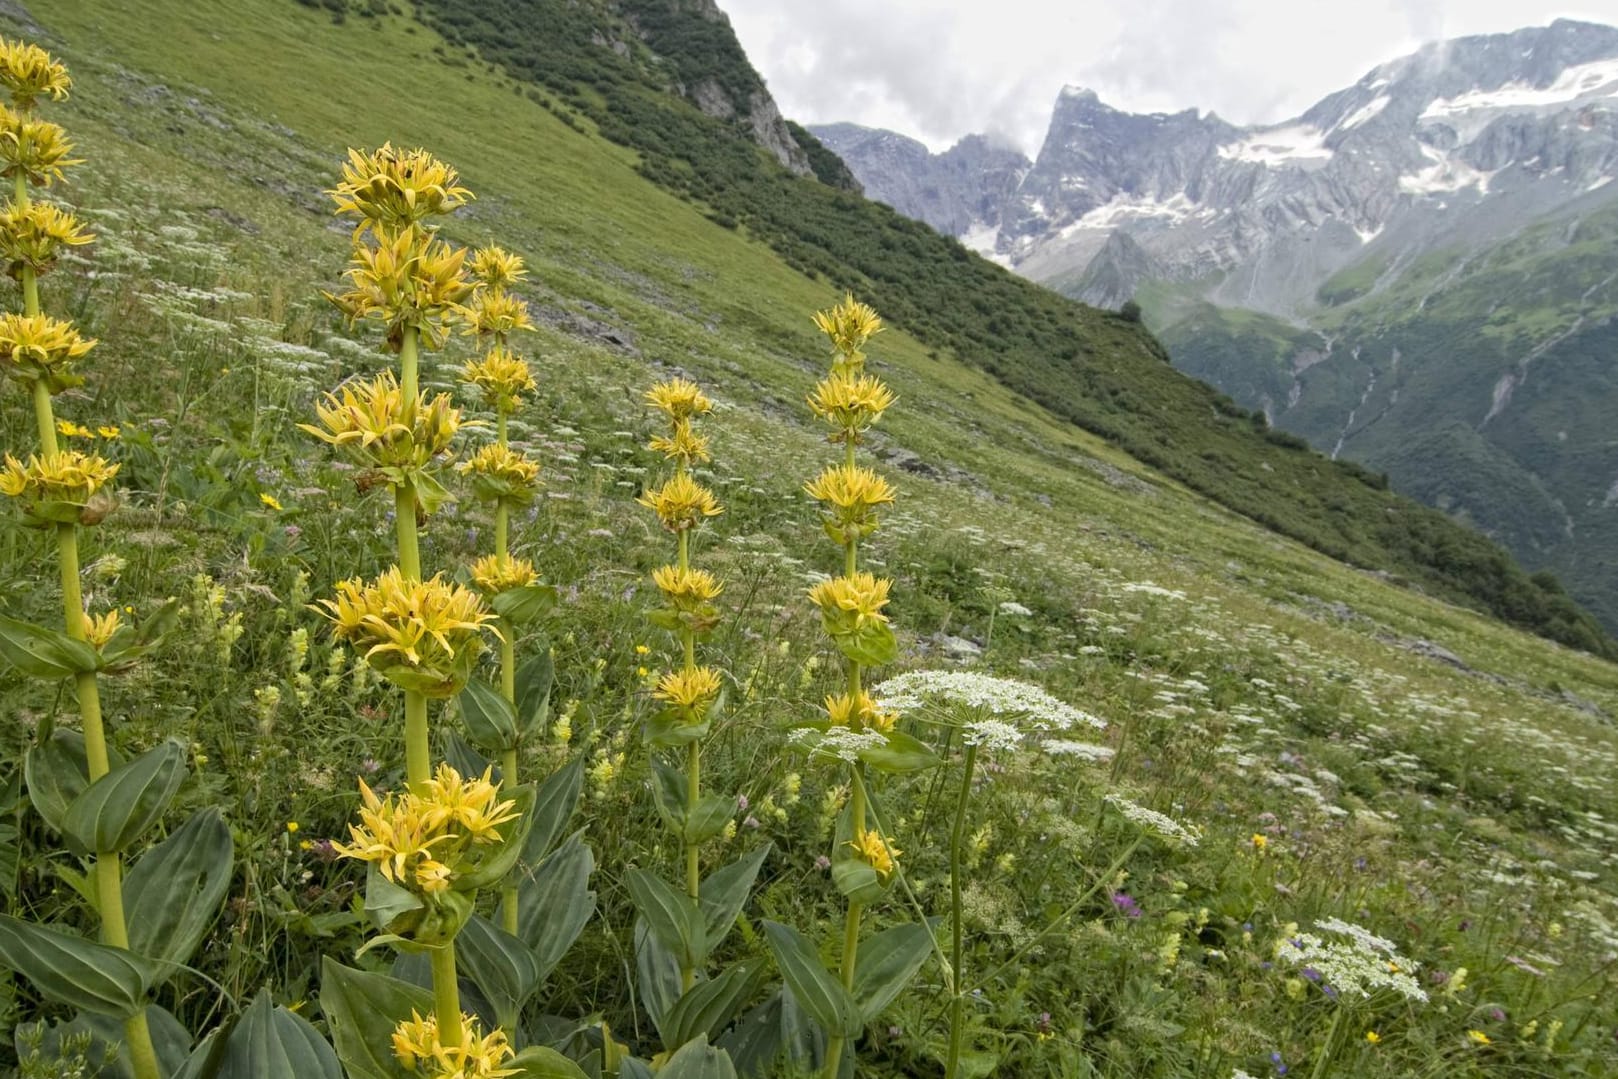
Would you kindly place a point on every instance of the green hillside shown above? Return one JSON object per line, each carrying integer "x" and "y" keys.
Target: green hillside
{"x": 1338, "y": 741}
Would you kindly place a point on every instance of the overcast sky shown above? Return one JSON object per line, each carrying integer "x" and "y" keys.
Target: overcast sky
{"x": 940, "y": 69}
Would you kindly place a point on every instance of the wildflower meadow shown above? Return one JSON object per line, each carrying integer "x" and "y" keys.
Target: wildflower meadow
{"x": 433, "y": 646}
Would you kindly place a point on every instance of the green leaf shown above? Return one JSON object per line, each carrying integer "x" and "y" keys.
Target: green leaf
{"x": 56, "y": 773}
{"x": 669, "y": 730}
{"x": 657, "y": 971}
{"x": 488, "y": 863}
{"x": 363, "y": 1009}
{"x": 500, "y": 965}
{"x": 675, "y": 919}
{"x": 887, "y": 962}
{"x": 698, "y": 1060}
{"x": 525, "y": 604}
{"x": 815, "y": 988}
{"x": 724, "y": 893}
{"x": 708, "y": 819}
{"x": 754, "y": 1042}
{"x": 710, "y": 1005}
{"x": 534, "y": 680}
{"x": 663, "y": 618}
{"x": 269, "y": 1042}
{"x": 44, "y": 653}
{"x": 540, "y": 1062}
{"x": 108, "y": 1054}
{"x": 873, "y": 644}
{"x": 172, "y": 894}
{"x": 857, "y": 880}
{"x": 130, "y": 643}
{"x": 392, "y": 908}
{"x": 77, "y": 972}
{"x": 802, "y": 1039}
{"x": 113, "y": 811}
{"x": 554, "y": 903}
{"x": 490, "y": 719}
{"x": 902, "y": 753}
{"x": 462, "y": 756}
{"x": 669, "y": 786}
{"x": 554, "y": 804}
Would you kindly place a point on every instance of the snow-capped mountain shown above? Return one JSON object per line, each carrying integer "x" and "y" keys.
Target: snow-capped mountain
{"x": 1420, "y": 272}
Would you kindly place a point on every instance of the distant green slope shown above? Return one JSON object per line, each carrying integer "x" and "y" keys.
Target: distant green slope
{"x": 1103, "y": 373}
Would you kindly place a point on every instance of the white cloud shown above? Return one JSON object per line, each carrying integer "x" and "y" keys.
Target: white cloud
{"x": 940, "y": 70}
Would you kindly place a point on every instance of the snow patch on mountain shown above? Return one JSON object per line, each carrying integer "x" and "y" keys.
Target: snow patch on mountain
{"x": 1277, "y": 147}
{"x": 1596, "y": 79}
{"x": 1364, "y": 113}
{"x": 1446, "y": 175}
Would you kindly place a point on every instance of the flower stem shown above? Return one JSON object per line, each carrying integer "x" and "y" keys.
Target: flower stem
{"x": 418, "y": 753}
{"x": 446, "y": 994}
{"x": 1326, "y": 1050}
{"x": 409, "y": 352}
{"x": 851, "y": 946}
{"x": 956, "y": 1026}
{"x": 404, "y": 523}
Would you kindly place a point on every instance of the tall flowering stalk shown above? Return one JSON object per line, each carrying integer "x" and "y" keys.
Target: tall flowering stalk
{"x": 60, "y": 489}
{"x": 507, "y": 479}
{"x": 856, "y": 733}
{"x": 423, "y": 635}
{"x": 688, "y": 694}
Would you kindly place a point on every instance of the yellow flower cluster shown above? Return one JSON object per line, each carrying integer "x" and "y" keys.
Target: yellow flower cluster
{"x": 34, "y": 236}
{"x": 495, "y": 267}
{"x": 851, "y": 494}
{"x": 689, "y": 692}
{"x": 419, "y": 1048}
{"x": 681, "y": 402}
{"x": 494, "y": 574}
{"x": 40, "y": 347}
{"x": 681, "y": 504}
{"x": 98, "y": 629}
{"x": 494, "y": 312}
{"x": 408, "y": 279}
{"x": 686, "y": 589}
{"x": 422, "y": 635}
{"x": 870, "y": 848}
{"x": 36, "y": 149}
{"x": 850, "y": 403}
{"x": 858, "y": 712}
{"x": 392, "y": 189}
{"x": 59, "y": 488}
{"x": 851, "y": 601}
{"x": 849, "y": 325}
{"x": 502, "y": 377}
{"x": 501, "y": 474}
{"x": 28, "y": 72}
{"x": 379, "y": 427}
{"x": 419, "y": 837}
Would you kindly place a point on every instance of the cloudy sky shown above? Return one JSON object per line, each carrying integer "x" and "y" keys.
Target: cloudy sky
{"x": 941, "y": 69}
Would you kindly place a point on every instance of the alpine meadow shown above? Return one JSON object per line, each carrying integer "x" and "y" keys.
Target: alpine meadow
{"x": 510, "y": 566}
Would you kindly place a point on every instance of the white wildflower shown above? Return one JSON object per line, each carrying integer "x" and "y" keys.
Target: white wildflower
{"x": 1152, "y": 820}
{"x": 1086, "y": 751}
{"x": 1012, "y": 607}
{"x": 992, "y": 734}
{"x": 1032, "y": 706}
{"x": 1363, "y": 963}
{"x": 843, "y": 743}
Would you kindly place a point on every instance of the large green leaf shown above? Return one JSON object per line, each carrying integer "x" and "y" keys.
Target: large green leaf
{"x": 391, "y": 907}
{"x": 900, "y": 753}
{"x": 44, "y": 653}
{"x": 500, "y": 965}
{"x": 269, "y": 1042}
{"x": 490, "y": 719}
{"x": 172, "y": 895}
{"x": 554, "y": 903}
{"x": 672, "y": 915}
{"x": 554, "y": 803}
{"x": 56, "y": 773}
{"x": 872, "y": 644}
{"x": 540, "y": 1062}
{"x": 709, "y": 817}
{"x": 887, "y": 963}
{"x": 657, "y": 974}
{"x": 725, "y": 891}
{"x": 817, "y": 989}
{"x": 525, "y": 604}
{"x": 669, "y": 787}
{"x": 709, "y": 1006}
{"x": 363, "y": 1009}
{"x": 534, "y": 679}
{"x": 462, "y": 755}
{"x": 108, "y": 1055}
{"x": 754, "y": 1042}
{"x": 77, "y": 972}
{"x": 113, "y": 811}
{"x": 698, "y": 1060}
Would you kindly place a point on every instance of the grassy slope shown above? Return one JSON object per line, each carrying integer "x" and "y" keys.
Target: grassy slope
{"x": 1461, "y": 770}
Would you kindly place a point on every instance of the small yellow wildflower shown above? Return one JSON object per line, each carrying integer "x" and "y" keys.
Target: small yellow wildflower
{"x": 689, "y": 692}
{"x": 862, "y": 714}
{"x": 502, "y": 376}
{"x": 501, "y": 474}
{"x": 641, "y": 649}
{"x": 40, "y": 347}
{"x": 850, "y": 403}
{"x": 681, "y": 503}
{"x": 98, "y": 629}
{"x": 418, "y": 1047}
{"x": 1479, "y": 1038}
{"x": 28, "y": 72}
{"x": 494, "y": 574}
{"x": 271, "y": 501}
{"x": 390, "y": 188}
{"x": 34, "y": 237}
{"x": 686, "y": 589}
{"x": 1260, "y": 841}
{"x": 848, "y": 325}
{"x": 69, "y": 429}
{"x": 496, "y": 267}
{"x": 880, "y": 856}
{"x": 59, "y": 488}
{"x": 35, "y": 149}
{"x": 680, "y": 399}
{"x": 109, "y": 431}
{"x": 422, "y": 635}
{"x": 1373, "y": 1037}
{"x": 292, "y": 827}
